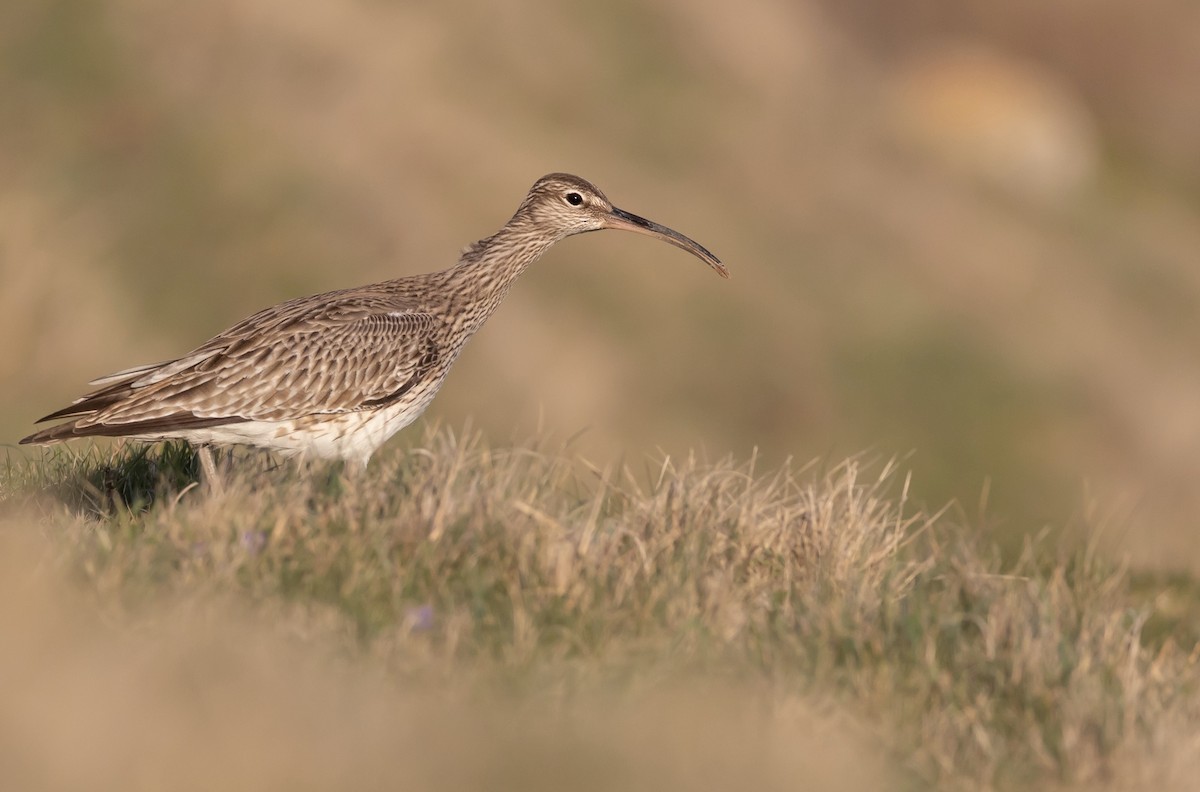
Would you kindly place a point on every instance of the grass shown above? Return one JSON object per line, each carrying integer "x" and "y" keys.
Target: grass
{"x": 517, "y": 618}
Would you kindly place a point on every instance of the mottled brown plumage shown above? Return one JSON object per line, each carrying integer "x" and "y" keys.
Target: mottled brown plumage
{"x": 335, "y": 375}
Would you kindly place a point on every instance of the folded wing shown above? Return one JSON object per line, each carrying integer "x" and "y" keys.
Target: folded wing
{"x": 341, "y": 358}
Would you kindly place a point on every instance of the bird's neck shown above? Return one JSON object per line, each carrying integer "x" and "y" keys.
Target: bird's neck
{"x": 487, "y": 269}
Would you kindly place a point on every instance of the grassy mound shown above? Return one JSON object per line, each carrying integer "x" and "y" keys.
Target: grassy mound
{"x": 462, "y": 615}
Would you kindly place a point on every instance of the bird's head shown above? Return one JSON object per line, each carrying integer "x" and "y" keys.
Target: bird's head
{"x": 570, "y": 205}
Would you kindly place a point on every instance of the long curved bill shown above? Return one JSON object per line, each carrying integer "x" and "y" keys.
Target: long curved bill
{"x": 627, "y": 221}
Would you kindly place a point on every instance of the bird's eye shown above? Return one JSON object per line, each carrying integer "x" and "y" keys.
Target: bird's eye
{"x": 574, "y": 198}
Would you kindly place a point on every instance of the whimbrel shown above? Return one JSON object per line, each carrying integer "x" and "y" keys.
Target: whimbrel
{"x": 335, "y": 375}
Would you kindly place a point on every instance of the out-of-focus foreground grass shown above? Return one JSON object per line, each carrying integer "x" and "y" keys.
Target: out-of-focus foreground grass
{"x": 465, "y": 617}
{"x": 965, "y": 230}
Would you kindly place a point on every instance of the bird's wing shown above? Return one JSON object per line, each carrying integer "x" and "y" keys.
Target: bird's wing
{"x": 340, "y": 358}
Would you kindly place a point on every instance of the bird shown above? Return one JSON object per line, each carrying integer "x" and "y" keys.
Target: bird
{"x": 335, "y": 375}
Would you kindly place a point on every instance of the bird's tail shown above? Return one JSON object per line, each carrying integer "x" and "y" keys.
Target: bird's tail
{"x": 51, "y": 435}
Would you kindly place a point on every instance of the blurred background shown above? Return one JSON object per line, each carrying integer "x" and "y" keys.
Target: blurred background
{"x": 963, "y": 233}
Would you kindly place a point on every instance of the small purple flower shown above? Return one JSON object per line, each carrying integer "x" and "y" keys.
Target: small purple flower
{"x": 253, "y": 541}
{"x": 419, "y": 618}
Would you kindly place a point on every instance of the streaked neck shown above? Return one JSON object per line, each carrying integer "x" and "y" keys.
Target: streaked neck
{"x": 487, "y": 268}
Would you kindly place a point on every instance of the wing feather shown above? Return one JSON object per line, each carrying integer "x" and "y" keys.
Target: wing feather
{"x": 298, "y": 358}
{"x": 300, "y": 371}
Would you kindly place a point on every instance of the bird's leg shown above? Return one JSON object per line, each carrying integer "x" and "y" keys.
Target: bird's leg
{"x": 270, "y": 462}
{"x": 209, "y": 467}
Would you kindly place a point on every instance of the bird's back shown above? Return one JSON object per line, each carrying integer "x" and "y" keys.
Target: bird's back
{"x": 337, "y": 358}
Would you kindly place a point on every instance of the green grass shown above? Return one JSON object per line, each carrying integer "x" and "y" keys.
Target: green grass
{"x": 522, "y": 585}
